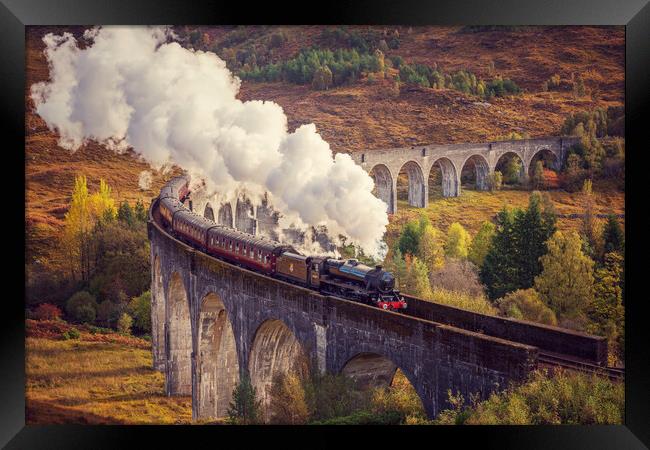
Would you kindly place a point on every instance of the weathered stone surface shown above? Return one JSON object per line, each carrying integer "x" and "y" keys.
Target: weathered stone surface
{"x": 385, "y": 165}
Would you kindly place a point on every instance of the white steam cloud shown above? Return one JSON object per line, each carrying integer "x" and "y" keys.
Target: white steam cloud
{"x": 144, "y": 180}
{"x": 130, "y": 87}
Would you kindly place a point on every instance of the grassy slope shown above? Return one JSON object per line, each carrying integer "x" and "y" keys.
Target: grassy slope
{"x": 354, "y": 117}
{"x": 473, "y": 207}
{"x": 97, "y": 383}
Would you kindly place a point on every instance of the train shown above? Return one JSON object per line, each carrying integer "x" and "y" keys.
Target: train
{"x": 346, "y": 278}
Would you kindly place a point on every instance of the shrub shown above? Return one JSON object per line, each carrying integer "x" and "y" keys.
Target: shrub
{"x": 72, "y": 333}
{"x": 457, "y": 275}
{"x": 495, "y": 180}
{"x": 526, "y": 304}
{"x": 140, "y": 309}
{"x": 365, "y": 418}
{"x": 288, "y": 404}
{"x": 244, "y": 408}
{"x": 322, "y": 78}
{"x": 81, "y": 307}
{"x": 46, "y": 311}
{"x": 458, "y": 241}
{"x": 566, "y": 398}
{"x": 461, "y": 300}
{"x": 124, "y": 324}
{"x": 108, "y": 313}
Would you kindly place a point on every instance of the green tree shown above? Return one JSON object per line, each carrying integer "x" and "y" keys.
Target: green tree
{"x": 140, "y": 211}
{"x": 431, "y": 248}
{"x": 481, "y": 243}
{"x": 108, "y": 313}
{"x": 458, "y": 241}
{"x": 288, "y": 404}
{"x": 613, "y": 238}
{"x": 512, "y": 262}
{"x": 606, "y": 313}
{"x": 566, "y": 283}
{"x": 409, "y": 239}
{"x": 499, "y": 272}
{"x": 587, "y": 229}
{"x": 244, "y": 408}
{"x": 81, "y": 307}
{"x": 538, "y": 175}
{"x": 417, "y": 279}
{"x": 322, "y": 78}
{"x": 124, "y": 323}
{"x": 526, "y": 304}
{"x": 140, "y": 309}
{"x": 512, "y": 171}
{"x": 495, "y": 180}
{"x": 125, "y": 213}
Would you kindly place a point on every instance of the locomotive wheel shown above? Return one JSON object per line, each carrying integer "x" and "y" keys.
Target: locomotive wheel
{"x": 385, "y": 306}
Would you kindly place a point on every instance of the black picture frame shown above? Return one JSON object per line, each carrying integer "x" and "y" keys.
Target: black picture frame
{"x": 16, "y": 14}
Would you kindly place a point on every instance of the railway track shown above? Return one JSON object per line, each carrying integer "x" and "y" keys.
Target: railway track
{"x": 551, "y": 361}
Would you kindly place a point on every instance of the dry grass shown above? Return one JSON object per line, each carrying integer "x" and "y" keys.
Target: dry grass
{"x": 97, "y": 383}
{"x": 471, "y": 208}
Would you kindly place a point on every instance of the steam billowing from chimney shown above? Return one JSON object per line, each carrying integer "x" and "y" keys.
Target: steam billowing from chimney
{"x": 131, "y": 87}
{"x": 144, "y": 180}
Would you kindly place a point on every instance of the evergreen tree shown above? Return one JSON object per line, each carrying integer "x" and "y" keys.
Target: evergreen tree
{"x": 399, "y": 269}
{"x": 613, "y": 239}
{"x": 481, "y": 243}
{"x": 417, "y": 279}
{"x": 587, "y": 232}
{"x": 458, "y": 241}
{"x": 512, "y": 262}
{"x": 499, "y": 272}
{"x": 125, "y": 213}
{"x": 533, "y": 227}
{"x": 409, "y": 240}
{"x": 566, "y": 283}
{"x": 244, "y": 408}
{"x": 140, "y": 211}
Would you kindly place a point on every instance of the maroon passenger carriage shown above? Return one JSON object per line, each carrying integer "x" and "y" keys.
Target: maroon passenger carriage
{"x": 345, "y": 278}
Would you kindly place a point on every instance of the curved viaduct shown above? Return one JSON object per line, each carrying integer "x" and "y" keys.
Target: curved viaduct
{"x": 418, "y": 161}
{"x": 213, "y": 323}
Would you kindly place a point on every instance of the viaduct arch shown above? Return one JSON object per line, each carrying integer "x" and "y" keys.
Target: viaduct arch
{"x": 384, "y": 165}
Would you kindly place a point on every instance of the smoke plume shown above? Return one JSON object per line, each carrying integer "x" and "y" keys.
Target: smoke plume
{"x": 144, "y": 180}
{"x": 135, "y": 87}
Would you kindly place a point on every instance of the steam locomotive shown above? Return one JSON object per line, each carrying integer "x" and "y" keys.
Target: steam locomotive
{"x": 345, "y": 278}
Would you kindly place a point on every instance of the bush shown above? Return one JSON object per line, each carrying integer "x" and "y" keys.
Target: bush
{"x": 365, "y": 418}
{"x": 140, "y": 309}
{"x": 457, "y": 275}
{"x": 124, "y": 324}
{"x": 72, "y": 333}
{"x": 108, "y": 313}
{"x": 566, "y": 398}
{"x": 526, "y": 304}
{"x": 81, "y": 307}
{"x": 46, "y": 311}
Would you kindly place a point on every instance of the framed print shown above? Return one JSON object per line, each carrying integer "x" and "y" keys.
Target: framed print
{"x": 381, "y": 219}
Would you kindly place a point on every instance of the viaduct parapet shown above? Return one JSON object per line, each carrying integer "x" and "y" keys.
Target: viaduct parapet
{"x": 418, "y": 161}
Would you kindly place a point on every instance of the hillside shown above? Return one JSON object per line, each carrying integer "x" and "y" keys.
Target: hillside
{"x": 363, "y": 115}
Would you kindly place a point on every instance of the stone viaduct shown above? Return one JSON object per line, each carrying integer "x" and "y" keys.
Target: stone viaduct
{"x": 418, "y": 161}
{"x": 213, "y": 323}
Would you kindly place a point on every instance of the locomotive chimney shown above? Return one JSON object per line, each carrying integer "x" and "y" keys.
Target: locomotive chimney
{"x": 379, "y": 267}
